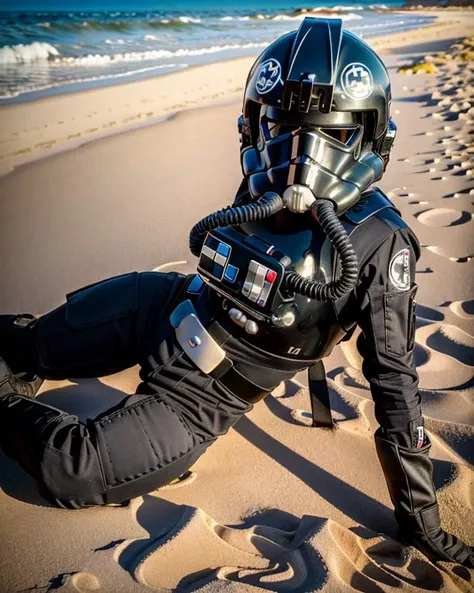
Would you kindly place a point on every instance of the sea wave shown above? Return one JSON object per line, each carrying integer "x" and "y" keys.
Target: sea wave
{"x": 76, "y": 26}
{"x": 21, "y": 54}
{"x": 31, "y": 52}
{"x": 159, "y": 54}
{"x": 127, "y": 21}
{"x": 342, "y": 12}
{"x": 301, "y": 15}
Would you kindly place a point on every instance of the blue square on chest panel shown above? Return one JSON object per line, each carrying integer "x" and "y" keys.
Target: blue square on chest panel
{"x": 231, "y": 273}
{"x": 223, "y": 249}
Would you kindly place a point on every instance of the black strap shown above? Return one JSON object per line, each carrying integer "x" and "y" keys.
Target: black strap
{"x": 242, "y": 387}
{"x": 319, "y": 396}
{"x": 229, "y": 376}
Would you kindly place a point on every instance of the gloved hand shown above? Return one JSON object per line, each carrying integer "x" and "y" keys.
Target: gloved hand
{"x": 20, "y": 384}
{"x": 424, "y": 532}
{"x": 409, "y": 476}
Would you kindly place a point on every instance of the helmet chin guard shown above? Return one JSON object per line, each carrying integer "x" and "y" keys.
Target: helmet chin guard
{"x": 313, "y": 162}
{"x": 315, "y": 118}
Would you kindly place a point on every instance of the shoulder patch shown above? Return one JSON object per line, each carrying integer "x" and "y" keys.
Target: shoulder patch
{"x": 399, "y": 270}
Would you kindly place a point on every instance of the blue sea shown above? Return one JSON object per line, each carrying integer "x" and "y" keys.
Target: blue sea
{"x": 58, "y": 46}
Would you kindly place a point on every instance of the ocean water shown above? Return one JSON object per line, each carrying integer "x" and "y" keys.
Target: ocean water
{"x": 61, "y": 46}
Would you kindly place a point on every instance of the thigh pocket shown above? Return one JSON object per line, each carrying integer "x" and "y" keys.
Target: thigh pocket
{"x": 140, "y": 439}
{"x": 102, "y": 302}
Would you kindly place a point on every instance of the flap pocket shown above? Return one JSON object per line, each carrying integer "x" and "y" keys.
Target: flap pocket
{"x": 105, "y": 301}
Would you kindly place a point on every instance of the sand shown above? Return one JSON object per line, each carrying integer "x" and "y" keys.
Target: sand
{"x": 275, "y": 505}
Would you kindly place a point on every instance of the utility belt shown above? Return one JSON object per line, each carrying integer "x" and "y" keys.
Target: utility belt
{"x": 204, "y": 347}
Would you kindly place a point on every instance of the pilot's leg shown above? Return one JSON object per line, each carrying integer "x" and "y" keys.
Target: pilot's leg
{"x": 136, "y": 447}
{"x": 100, "y": 330}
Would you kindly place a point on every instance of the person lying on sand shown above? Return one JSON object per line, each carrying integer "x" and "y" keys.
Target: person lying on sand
{"x": 308, "y": 251}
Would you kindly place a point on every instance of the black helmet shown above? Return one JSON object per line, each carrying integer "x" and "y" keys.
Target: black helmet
{"x": 315, "y": 121}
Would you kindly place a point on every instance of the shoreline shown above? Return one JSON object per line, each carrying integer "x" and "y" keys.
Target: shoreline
{"x": 47, "y": 126}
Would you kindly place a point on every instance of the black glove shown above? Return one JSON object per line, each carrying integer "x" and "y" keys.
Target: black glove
{"x": 21, "y": 384}
{"x": 409, "y": 476}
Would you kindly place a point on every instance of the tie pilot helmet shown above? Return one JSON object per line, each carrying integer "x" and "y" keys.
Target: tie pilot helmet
{"x": 315, "y": 120}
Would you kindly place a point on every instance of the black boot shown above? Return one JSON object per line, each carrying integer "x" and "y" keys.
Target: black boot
{"x": 16, "y": 346}
{"x": 409, "y": 476}
{"x": 23, "y": 384}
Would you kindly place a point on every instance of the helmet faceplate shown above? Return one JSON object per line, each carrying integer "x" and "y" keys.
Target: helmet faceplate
{"x": 316, "y": 114}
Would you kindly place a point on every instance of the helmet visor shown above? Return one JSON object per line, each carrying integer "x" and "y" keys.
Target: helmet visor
{"x": 344, "y": 134}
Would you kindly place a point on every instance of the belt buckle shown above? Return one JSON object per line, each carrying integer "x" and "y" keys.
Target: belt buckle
{"x": 195, "y": 340}
{"x": 25, "y": 320}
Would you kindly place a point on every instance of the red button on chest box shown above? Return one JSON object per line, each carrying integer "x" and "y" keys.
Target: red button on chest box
{"x": 271, "y": 276}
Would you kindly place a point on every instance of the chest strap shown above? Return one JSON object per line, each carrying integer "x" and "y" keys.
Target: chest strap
{"x": 319, "y": 396}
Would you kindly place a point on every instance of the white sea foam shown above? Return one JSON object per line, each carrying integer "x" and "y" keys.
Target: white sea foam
{"x": 158, "y": 54}
{"x": 299, "y": 17}
{"x": 21, "y": 54}
{"x": 188, "y": 20}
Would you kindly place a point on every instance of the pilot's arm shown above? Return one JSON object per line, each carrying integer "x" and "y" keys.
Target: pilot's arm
{"x": 386, "y": 294}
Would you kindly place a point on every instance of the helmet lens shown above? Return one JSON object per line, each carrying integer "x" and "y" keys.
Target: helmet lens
{"x": 276, "y": 128}
{"x": 343, "y": 134}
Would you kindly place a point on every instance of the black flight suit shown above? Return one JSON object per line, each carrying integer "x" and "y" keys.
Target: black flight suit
{"x": 156, "y": 434}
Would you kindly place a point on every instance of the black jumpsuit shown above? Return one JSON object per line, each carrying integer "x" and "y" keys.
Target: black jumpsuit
{"x": 156, "y": 434}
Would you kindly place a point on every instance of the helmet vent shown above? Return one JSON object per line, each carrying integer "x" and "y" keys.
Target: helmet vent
{"x": 306, "y": 80}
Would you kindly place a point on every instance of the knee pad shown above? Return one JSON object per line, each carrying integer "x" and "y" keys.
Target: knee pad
{"x": 156, "y": 436}
{"x": 138, "y": 448}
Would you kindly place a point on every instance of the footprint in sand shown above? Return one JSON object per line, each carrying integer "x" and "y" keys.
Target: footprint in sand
{"x": 443, "y": 217}
{"x": 444, "y": 356}
{"x": 294, "y": 401}
{"x": 463, "y": 309}
{"x": 428, "y": 313}
{"x": 401, "y": 192}
{"x": 453, "y": 341}
{"x": 459, "y": 194}
{"x": 84, "y": 582}
{"x": 260, "y": 555}
{"x": 460, "y": 258}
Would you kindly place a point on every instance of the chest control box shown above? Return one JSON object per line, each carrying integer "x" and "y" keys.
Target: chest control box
{"x": 243, "y": 268}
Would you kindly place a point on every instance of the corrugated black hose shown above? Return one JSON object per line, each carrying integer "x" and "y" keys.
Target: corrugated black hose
{"x": 268, "y": 205}
{"x": 347, "y": 279}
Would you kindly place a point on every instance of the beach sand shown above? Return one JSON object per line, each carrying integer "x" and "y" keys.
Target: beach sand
{"x": 274, "y": 505}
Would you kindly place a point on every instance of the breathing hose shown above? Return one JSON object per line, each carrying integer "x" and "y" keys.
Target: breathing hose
{"x": 265, "y": 207}
{"x": 331, "y": 225}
